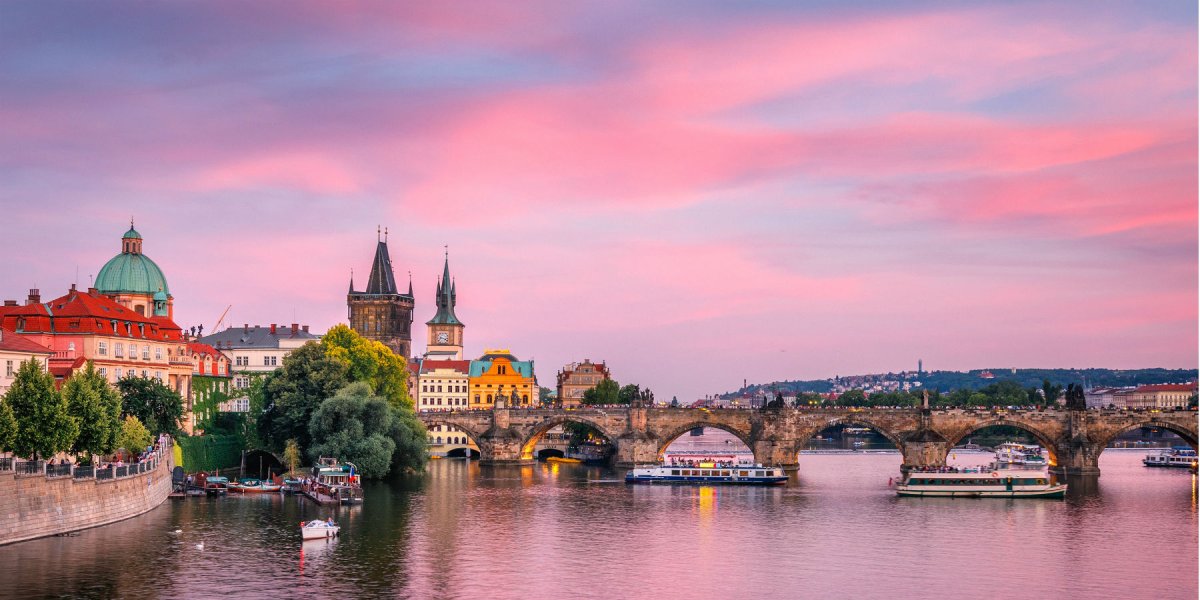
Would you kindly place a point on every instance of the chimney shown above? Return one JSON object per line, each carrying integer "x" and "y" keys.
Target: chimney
{"x": 35, "y": 297}
{"x": 295, "y": 329}
{"x": 245, "y": 328}
{"x": 272, "y": 329}
{"x": 304, "y": 329}
{"x": 10, "y": 302}
{"x": 92, "y": 291}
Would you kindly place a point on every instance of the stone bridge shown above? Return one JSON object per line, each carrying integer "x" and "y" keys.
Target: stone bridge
{"x": 1074, "y": 438}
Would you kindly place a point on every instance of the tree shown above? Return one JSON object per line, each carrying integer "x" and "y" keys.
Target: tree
{"x": 808, "y": 399}
{"x": 605, "y": 392}
{"x": 8, "y": 426}
{"x": 1051, "y": 391}
{"x": 411, "y": 439}
{"x": 293, "y": 393}
{"x": 134, "y": 436}
{"x": 158, "y": 407}
{"x": 545, "y": 396}
{"x": 628, "y": 394}
{"x": 291, "y": 455}
{"x": 370, "y": 361}
{"x": 853, "y": 397}
{"x": 359, "y": 427}
{"x": 44, "y": 427}
{"x": 96, "y": 406}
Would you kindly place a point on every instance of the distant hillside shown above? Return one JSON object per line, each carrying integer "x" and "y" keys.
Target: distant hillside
{"x": 945, "y": 381}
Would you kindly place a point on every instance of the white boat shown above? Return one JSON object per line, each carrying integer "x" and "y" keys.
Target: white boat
{"x": 1020, "y": 455}
{"x": 1178, "y": 456}
{"x": 710, "y": 473}
{"x": 979, "y": 482}
{"x": 318, "y": 530}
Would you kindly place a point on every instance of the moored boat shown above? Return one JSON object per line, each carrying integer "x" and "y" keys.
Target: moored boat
{"x": 708, "y": 473}
{"x": 216, "y": 485}
{"x": 318, "y": 530}
{"x": 1020, "y": 455}
{"x": 254, "y": 486}
{"x": 336, "y": 483}
{"x": 979, "y": 482}
{"x": 564, "y": 459}
{"x": 1181, "y": 457}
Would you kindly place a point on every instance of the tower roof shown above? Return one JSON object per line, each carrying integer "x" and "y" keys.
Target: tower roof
{"x": 382, "y": 281}
{"x": 446, "y": 298}
{"x": 131, "y": 271}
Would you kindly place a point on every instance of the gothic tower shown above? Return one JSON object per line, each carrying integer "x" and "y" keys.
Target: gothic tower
{"x": 445, "y": 330}
{"x": 380, "y": 312}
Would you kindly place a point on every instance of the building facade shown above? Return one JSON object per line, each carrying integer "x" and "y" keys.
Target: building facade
{"x": 212, "y": 383}
{"x": 444, "y": 385}
{"x": 445, "y": 331}
{"x": 577, "y": 378}
{"x": 254, "y": 351}
{"x": 14, "y": 350}
{"x": 380, "y": 312}
{"x": 498, "y": 375}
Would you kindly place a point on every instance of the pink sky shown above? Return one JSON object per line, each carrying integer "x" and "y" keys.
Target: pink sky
{"x": 697, "y": 194}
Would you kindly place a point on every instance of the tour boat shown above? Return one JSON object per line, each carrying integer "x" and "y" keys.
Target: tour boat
{"x": 216, "y": 486}
{"x": 708, "y": 472}
{"x": 563, "y": 459}
{"x": 979, "y": 482}
{"x": 254, "y": 486}
{"x": 1020, "y": 455}
{"x": 336, "y": 481}
{"x": 1178, "y": 456}
{"x": 318, "y": 530}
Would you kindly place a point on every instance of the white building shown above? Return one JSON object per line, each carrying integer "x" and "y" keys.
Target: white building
{"x": 15, "y": 350}
{"x": 257, "y": 350}
{"x": 442, "y": 385}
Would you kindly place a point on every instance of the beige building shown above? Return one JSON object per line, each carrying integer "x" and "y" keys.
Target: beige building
{"x": 577, "y": 378}
{"x": 256, "y": 351}
{"x": 442, "y": 386}
{"x": 15, "y": 350}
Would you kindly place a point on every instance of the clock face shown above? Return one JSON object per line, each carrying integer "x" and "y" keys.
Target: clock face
{"x": 443, "y": 337}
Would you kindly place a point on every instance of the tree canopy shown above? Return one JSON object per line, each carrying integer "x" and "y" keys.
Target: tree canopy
{"x": 44, "y": 427}
{"x": 8, "y": 426}
{"x": 158, "y": 407}
{"x": 292, "y": 393}
{"x": 357, "y": 426}
{"x": 133, "y": 436}
{"x": 370, "y": 361}
{"x": 96, "y": 406}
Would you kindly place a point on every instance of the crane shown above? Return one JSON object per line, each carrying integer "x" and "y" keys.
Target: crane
{"x": 221, "y": 319}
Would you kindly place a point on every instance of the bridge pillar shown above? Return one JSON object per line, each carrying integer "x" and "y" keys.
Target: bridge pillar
{"x": 925, "y": 448}
{"x": 1078, "y": 455}
{"x": 776, "y": 453}
{"x": 501, "y": 444}
{"x": 635, "y": 449}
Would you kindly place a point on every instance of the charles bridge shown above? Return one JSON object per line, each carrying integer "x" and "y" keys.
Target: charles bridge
{"x": 640, "y": 434}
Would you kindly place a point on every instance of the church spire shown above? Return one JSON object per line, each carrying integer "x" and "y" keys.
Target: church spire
{"x": 382, "y": 280}
{"x": 445, "y": 297}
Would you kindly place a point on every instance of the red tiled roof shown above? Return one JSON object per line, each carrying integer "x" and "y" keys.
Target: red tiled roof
{"x": 201, "y": 348}
{"x": 12, "y": 341}
{"x": 1167, "y": 387}
{"x": 429, "y": 366}
{"x": 87, "y": 313}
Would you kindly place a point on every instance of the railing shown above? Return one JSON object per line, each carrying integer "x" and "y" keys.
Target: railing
{"x": 6, "y": 464}
{"x": 63, "y": 470}
{"x": 122, "y": 472}
{"x": 30, "y": 467}
{"x": 85, "y": 472}
{"x": 104, "y": 474}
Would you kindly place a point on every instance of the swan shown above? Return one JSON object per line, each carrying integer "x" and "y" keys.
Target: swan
{"x": 200, "y": 546}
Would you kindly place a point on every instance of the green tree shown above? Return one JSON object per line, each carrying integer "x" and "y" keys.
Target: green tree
{"x": 545, "y": 396}
{"x": 291, "y": 455}
{"x": 628, "y": 393}
{"x": 356, "y": 426}
{"x": 1051, "y": 391}
{"x": 370, "y": 361}
{"x": 44, "y": 427}
{"x": 411, "y": 440}
{"x": 158, "y": 407}
{"x": 605, "y": 392}
{"x": 8, "y": 426}
{"x": 291, "y": 395}
{"x": 96, "y": 406}
{"x": 133, "y": 437}
{"x": 853, "y": 397}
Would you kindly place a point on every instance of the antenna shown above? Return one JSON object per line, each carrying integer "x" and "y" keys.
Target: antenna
{"x": 377, "y": 233}
{"x": 385, "y": 235}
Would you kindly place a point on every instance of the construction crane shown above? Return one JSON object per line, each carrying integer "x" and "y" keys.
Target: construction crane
{"x": 220, "y": 320}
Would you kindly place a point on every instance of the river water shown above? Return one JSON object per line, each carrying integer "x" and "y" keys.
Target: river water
{"x": 569, "y": 531}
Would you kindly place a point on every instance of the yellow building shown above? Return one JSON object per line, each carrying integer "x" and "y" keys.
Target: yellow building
{"x": 499, "y": 374}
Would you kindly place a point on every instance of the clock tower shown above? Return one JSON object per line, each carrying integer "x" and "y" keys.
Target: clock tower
{"x": 445, "y": 330}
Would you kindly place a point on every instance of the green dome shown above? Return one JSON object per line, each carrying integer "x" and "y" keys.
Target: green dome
{"x": 132, "y": 234}
{"x": 134, "y": 273}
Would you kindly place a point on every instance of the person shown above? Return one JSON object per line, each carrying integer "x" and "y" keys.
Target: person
{"x": 329, "y": 521}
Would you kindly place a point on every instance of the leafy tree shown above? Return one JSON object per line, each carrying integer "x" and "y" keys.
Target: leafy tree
{"x": 545, "y": 395}
{"x": 605, "y": 392}
{"x": 808, "y": 399}
{"x": 628, "y": 393}
{"x": 291, "y": 455}
{"x": 356, "y": 426}
{"x": 44, "y": 427}
{"x": 134, "y": 436}
{"x": 370, "y": 361}
{"x": 853, "y": 397}
{"x": 96, "y": 406}
{"x": 292, "y": 394}
{"x": 8, "y": 426}
{"x": 158, "y": 407}
{"x": 411, "y": 440}
{"x": 1051, "y": 391}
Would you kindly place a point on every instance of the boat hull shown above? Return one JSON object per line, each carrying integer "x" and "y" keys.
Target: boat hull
{"x": 1054, "y": 491}
{"x": 314, "y": 533}
{"x": 674, "y": 479}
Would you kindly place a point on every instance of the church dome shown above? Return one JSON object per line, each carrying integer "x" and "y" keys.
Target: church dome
{"x": 131, "y": 271}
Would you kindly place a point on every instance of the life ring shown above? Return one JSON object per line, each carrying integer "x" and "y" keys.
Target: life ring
{"x": 995, "y": 474}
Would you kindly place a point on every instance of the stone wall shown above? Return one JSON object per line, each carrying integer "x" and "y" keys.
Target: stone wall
{"x": 33, "y": 506}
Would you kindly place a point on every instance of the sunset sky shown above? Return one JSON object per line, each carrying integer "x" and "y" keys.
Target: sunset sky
{"x": 696, "y": 193}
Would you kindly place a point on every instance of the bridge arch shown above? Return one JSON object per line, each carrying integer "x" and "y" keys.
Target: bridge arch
{"x": 852, "y": 421}
{"x": 666, "y": 441}
{"x": 1042, "y": 438}
{"x": 536, "y": 433}
{"x": 260, "y": 463}
{"x": 1188, "y": 436}
{"x": 430, "y": 421}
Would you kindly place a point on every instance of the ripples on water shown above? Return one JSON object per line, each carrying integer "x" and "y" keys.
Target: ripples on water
{"x": 568, "y": 531}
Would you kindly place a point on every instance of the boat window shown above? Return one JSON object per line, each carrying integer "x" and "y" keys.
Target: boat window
{"x": 1041, "y": 482}
{"x": 674, "y": 471}
{"x": 742, "y": 473}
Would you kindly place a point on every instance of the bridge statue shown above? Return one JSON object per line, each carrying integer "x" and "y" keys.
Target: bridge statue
{"x": 1075, "y": 398}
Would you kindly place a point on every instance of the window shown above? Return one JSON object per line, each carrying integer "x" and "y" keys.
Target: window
{"x": 119, "y": 350}
{"x": 132, "y": 351}
{"x": 104, "y": 372}
{"x": 674, "y": 471}
{"x": 270, "y": 361}
{"x": 117, "y": 373}
{"x": 102, "y": 348}
{"x": 158, "y": 353}
{"x": 146, "y": 353}
{"x": 145, "y": 374}
{"x": 158, "y": 375}
{"x": 8, "y": 368}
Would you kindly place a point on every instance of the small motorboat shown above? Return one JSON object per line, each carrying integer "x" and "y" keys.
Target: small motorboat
{"x": 318, "y": 530}
{"x": 563, "y": 459}
{"x": 254, "y": 486}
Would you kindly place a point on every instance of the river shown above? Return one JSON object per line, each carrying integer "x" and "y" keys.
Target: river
{"x": 569, "y": 531}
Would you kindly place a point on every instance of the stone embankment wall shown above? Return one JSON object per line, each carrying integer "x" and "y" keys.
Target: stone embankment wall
{"x": 33, "y": 506}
